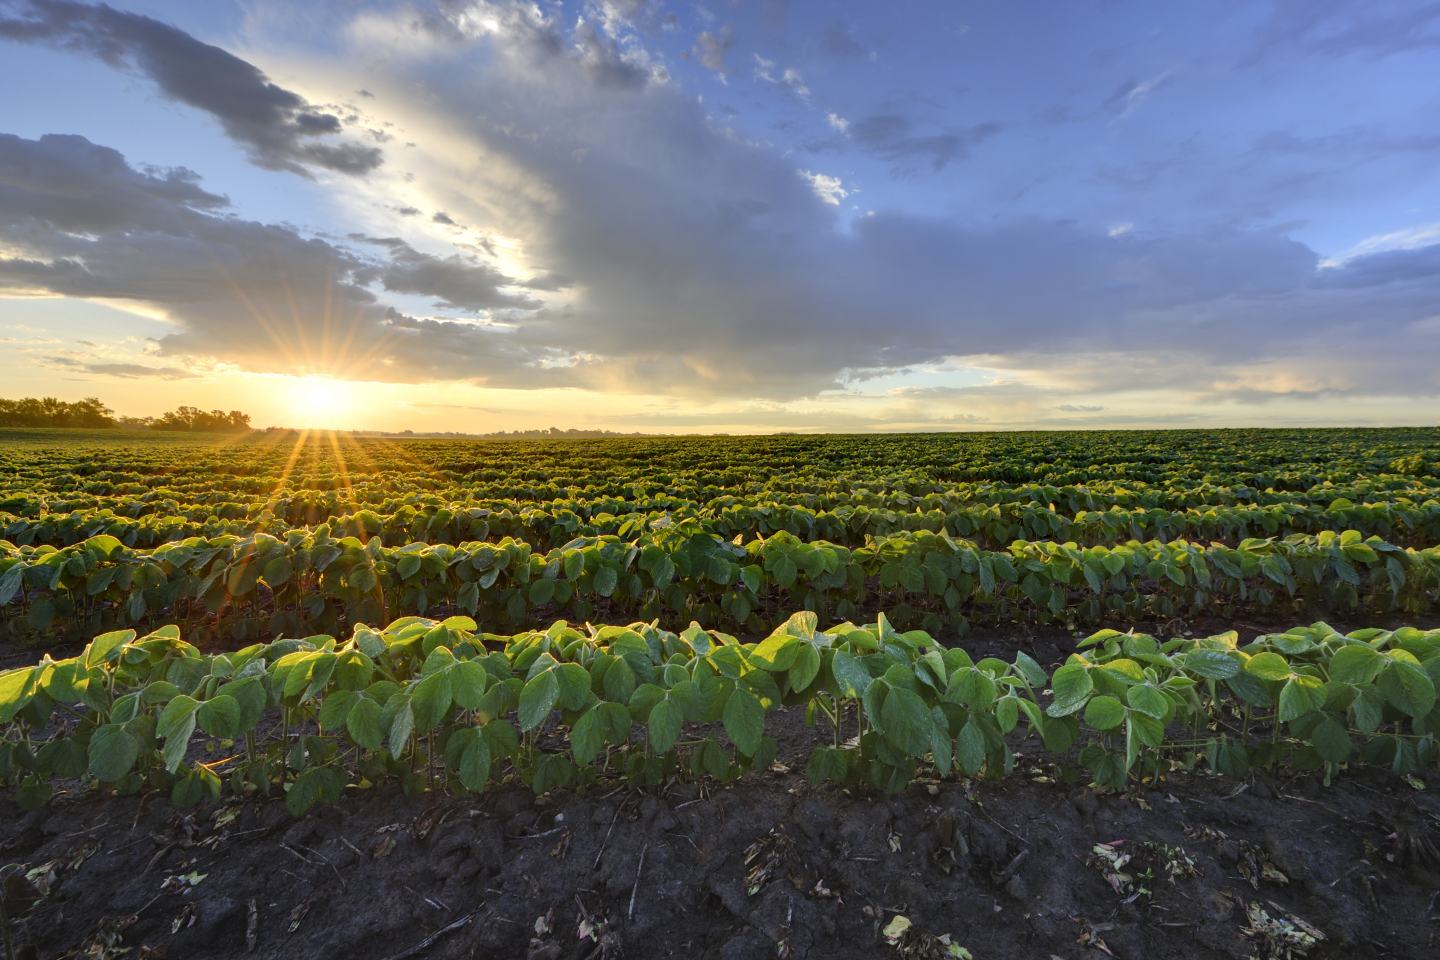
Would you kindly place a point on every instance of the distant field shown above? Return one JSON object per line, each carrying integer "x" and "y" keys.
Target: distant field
{"x": 246, "y": 537}
{"x": 594, "y": 637}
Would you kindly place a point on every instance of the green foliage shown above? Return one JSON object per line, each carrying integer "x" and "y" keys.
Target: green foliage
{"x": 389, "y": 702}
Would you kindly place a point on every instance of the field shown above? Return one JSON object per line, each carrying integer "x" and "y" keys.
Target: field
{"x": 1136, "y": 694}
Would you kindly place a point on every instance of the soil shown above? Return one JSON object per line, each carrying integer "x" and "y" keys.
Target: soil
{"x": 769, "y": 867}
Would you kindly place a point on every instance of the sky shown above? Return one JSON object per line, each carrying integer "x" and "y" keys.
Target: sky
{"x": 732, "y": 216}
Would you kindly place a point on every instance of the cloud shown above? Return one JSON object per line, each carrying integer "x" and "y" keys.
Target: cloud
{"x": 892, "y": 137}
{"x": 76, "y": 220}
{"x": 788, "y": 77}
{"x": 134, "y": 371}
{"x": 605, "y": 62}
{"x": 1080, "y": 407}
{"x": 711, "y": 48}
{"x": 279, "y": 129}
{"x": 829, "y": 189}
{"x": 1130, "y": 94}
{"x": 837, "y": 123}
{"x": 461, "y": 282}
{"x": 1411, "y": 238}
{"x": 127, "y": 371}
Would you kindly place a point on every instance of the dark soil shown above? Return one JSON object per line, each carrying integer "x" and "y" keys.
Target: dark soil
{"x": 769, "y": 867}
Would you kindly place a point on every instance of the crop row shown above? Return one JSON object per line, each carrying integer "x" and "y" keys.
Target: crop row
{"x": 249, "y": 587}
{"x": 438, "y": 705}
{"x": 40, "y": 473}
{"x": 215, "y": 495}
{"x": 1405, "y": 523}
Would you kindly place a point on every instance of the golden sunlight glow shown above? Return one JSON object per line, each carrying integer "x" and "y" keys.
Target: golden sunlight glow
{"x": 322, "y": 402}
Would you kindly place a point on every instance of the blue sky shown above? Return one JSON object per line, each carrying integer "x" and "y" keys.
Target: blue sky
{"x": 758, "y": 215}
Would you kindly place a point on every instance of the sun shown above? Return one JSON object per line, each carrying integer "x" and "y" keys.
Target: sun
{"x": 319, "y": 402}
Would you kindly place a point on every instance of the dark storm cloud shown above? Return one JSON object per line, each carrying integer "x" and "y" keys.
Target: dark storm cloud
{"x": 279, "y": 129}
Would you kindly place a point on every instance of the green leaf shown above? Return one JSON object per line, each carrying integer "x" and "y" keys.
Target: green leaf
{"x": 363, "y": 723}
{"x": 104, "y": 647}
{"x": 664, "y": 725}
{"x": 1331, "y": 740}
{"x": 1070, "y": 685}
{"x": 177, "y": 741}
{"x": 1268, "y": 666}
{"x": 431, "y": 699}
{"x": 586, "y": 736}
{"x": 607, "y": 578}
{"x": 574, "y": 683}
{"x": 468, "y": 681}
{"x": 220, "y": 716}
{"x": 277, "y": 571}
{"x": 16, "y": 690}
{"x": 1212, "y": 664}
{"x": 541, "y": 591}
{"x": 402, "y": 725}
{"x": 537, "y": 699}
{"x": 783, "y": 572}
{"x": 907, "y": 721}
{"x": 777, "y": 651}
{"x": 1149, "y": 701}
{"x": 1356, "y": 663}
{"x": 314, "y": 786}
{"x": 113, "y": 752}
{"x": 475, "y": 761}
{"x": 744, "y": 720}
{"x": 176, "y": 713}
{"x": 1104, "y": 713}
{"x": 970, "y": 748}
{"x": 1408, "y": 688}
{"x": 1299, "y": 696}
{"x": 805, "y": 668}
{"x": 850, "y": 673}
{"x": 619, "y": 681}
{"x": 10, "y": 582}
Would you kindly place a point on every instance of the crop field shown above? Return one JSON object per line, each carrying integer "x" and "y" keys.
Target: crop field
{"x": 1131, "y": 694}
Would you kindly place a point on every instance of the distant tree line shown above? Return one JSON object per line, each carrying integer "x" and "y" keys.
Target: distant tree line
{"x": 92, "y": 412}
{"x": 193, "y": 418}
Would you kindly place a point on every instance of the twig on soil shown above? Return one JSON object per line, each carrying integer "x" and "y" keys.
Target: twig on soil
{"x": 630, "y": 914}
{"x": 305, "y": 858}
{"x": 1003, "y": 827}
{"x": 535, "y": 836}
{"x": 80, "y": 833}
{"x": 1014, "y": 865}
{"x": 1326, "y": 807}
{"x": 437, "y": 904}
{"x": 252, "y": 925}
{"x": 429, "y": 941}
{"x": 603, "y": 843}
